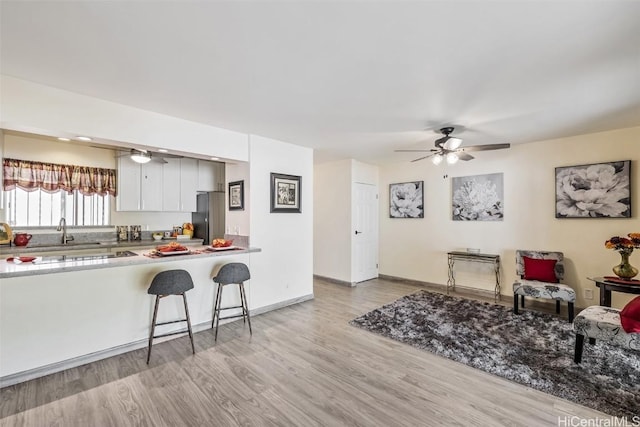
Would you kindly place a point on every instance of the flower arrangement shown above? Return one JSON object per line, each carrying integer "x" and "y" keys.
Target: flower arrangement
{"x": 624, "y": 244}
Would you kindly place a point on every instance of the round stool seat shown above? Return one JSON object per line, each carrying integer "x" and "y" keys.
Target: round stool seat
{"x": 171, "y": 282}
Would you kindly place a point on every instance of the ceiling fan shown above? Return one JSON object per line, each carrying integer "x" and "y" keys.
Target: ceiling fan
{"x": 448, "y": 147}
{"x": 140, "y": 155}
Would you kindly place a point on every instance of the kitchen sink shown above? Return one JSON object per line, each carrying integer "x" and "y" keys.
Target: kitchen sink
{"x": 90, "y": 257}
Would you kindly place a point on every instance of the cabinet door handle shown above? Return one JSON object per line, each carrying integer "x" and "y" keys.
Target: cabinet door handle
{"x": 358, "y": 232}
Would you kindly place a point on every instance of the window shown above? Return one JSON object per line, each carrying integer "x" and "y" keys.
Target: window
{"x": 39, "y": 208}
{"x": 40, "y": 194}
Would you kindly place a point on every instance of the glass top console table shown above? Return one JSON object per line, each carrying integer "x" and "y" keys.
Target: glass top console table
{"x": 473, "y": 257}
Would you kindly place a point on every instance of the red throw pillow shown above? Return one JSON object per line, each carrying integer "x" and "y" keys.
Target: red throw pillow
{"x": 542, "y": 270}
{"x": 630, "y": 316}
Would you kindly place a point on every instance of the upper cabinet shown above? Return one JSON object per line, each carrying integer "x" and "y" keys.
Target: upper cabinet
{"x": 157, "y": 186}
{"x": 211, "y": 176}
{"x": 129, "y": 173}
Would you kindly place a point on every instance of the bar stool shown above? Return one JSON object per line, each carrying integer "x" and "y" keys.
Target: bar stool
{"x": 166, "y": 283}
{"x": 232, "y": 273}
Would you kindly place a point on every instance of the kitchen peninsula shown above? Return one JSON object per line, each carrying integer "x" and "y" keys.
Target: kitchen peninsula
{"x": 61, "y": 314}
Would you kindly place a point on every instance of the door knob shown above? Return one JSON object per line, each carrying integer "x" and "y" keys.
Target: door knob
{"x": 358, "y": 232}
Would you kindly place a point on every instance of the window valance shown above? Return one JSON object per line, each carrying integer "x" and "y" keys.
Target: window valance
{"x": 51, "y": 177}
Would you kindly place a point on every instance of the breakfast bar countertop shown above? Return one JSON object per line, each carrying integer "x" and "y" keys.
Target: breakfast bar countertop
{"x": 10, "y": 269}
{"x": 107, "y": 244}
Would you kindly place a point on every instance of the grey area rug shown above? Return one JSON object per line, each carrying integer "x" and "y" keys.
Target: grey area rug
{"x": 534, "y": 349}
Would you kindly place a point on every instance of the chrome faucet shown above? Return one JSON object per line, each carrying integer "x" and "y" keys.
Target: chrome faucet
{"x": 62, "y": 226}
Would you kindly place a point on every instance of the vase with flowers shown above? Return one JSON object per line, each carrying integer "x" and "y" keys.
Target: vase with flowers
{"x": 625, "y": 246}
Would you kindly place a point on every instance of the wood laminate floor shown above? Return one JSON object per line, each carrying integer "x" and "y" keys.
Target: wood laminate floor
{"x": 304, "y": 366}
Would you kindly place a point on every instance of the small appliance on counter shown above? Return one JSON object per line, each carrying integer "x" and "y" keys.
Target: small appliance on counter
{"x": 6, "y": 234}
{"x": 22, "y": 239}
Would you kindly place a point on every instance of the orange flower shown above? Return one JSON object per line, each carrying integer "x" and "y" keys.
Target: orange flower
{"x": 624, "y": 244}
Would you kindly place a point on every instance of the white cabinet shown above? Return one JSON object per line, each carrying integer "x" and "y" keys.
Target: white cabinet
{"x": 128, "y": 185}
{"x": 138, "y": 188}
{"x": 156, "y": 186}
{"x": 179, "y": 181}
{"x": 150, "y": 190}
{"x": 188, "y": 184}
{"x": 206, "y": 174}
{"x": 171, "y": 185}
{"x": 211, "y": 176}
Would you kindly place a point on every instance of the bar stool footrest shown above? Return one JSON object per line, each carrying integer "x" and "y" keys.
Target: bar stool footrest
{"x": 171, "y": 321}
{"x": 186, "y": 331}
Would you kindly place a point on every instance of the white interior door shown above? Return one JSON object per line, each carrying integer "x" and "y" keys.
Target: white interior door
{"x": 365, "y": 232}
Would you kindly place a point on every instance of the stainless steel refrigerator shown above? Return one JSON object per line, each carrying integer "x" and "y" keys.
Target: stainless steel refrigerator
{"x": 208, "y": 220}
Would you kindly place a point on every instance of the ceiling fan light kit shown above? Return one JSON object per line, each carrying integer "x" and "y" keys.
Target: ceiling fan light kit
{"x": 449, "y": 148}
{"x": 140, "y": 156}
{"x": 452, "y": 158}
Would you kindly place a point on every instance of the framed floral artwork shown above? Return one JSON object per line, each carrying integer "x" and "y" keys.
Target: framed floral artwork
{"x": 478, "y": 197}
{"x": 406, "y": 200}
{"x": 599, "y": 190}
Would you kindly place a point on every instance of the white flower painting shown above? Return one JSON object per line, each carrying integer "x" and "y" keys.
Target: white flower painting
{"x": 478, "y": 198}
{"x": 594, "y": 191}
{"x": 406, "y": 200}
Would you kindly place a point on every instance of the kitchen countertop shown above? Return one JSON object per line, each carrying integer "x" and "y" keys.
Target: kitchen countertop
{"x": 9, "y": 269}
{"x": 30, "y": 249}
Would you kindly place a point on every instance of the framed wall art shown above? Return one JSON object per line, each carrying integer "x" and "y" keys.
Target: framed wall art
{"x": 478, "y": 197}
{"x": 599, "y": 190}
{"x": 406, "y": 200}
{"x": 286, "y": 193}
{"x": 236, "y": 196}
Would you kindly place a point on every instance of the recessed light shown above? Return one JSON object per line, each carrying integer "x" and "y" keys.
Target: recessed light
{"x": 215, "y": 158}
{"x": 63, "y": 139}
{"x": 162, "y": 150}
{"x": 84, "y": 138}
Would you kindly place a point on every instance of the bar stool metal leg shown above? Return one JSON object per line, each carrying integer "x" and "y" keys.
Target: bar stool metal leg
{"x": 186, "y": 310}
{"x": 217, "y": 311}
{"x": 153, "y": 327}
{"x": 215, "y": 306}
{"x": 245, "y": 306}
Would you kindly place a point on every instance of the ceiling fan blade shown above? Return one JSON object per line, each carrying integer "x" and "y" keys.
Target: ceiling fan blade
{"x": 413, "y": 151}
{"x": 421, "y": 158}
{"x": 464, "y": 156}
{"x": 487, "y": 147}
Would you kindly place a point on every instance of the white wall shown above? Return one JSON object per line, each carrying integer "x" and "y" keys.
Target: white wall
{"x": 239, "y": 220}
{"x": 416, "y": 248}
{"x": 39, "y": 149}
{"x": 285, "y": 265}
{"x": 333, "y": 209}
{"x": 31, "y": 107}
{"x": 332, "y": 220}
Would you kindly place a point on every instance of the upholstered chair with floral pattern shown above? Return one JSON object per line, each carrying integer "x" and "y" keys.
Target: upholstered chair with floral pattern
{"x": 540, "y": 276}
{"x": 603, "y": 324}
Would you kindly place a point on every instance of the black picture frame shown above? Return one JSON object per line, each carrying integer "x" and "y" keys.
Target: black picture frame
{"x": 286, "y": 193}
{"x": 406, "y": 200}
{"x": 236, "y": 196}
{"x": 596, "y": 190}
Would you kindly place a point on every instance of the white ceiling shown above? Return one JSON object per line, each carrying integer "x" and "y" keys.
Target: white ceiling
{"x": 350, "y": 79}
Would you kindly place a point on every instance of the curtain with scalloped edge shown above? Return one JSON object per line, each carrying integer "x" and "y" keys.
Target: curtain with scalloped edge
{"x": 51, "y": 177}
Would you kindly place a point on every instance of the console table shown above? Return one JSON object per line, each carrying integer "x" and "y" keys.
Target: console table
{"x": 607, "y": 286}
{"x": 473, "y": 257}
